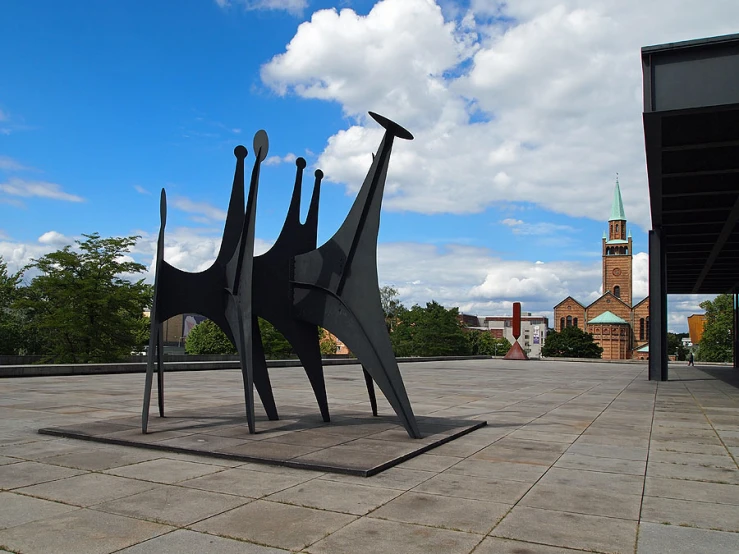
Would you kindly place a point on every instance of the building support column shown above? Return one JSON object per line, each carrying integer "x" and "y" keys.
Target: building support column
{"x": 657, "y": 308}
{"x": 735, "y": 329}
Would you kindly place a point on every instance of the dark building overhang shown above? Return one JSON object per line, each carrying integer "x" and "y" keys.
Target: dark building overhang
{"x": 691, "y": 128}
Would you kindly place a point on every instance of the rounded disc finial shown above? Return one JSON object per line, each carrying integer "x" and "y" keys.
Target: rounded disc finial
{"x": 319, "y": 174}
{"x": 241, "y": 152}
{"x": 301, "y": 163}
{"x": 391, "y": 126}
{"x": 261, "y": 144}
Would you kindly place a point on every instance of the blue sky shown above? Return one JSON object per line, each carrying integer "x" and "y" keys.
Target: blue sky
{"x": 523, "y": 113}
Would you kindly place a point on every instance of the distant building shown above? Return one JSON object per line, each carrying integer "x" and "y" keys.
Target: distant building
{"x": 620, "y": 328}
{"x": 176, "y": 328}
{"x": 533, "y": 329}
{"x": 696, "y": 325}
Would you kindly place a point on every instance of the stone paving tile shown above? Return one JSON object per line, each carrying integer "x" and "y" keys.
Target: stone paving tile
{"x": 692, "y": 473}
{"x": 729, "y": 438}
{"x": 480, "y": 488}
{"x": 685, "y": 458}
{"x": 394, "y": 478}
{"x": 275, "y": 524}
{"x": 460, "y": 451}
{"x": 40, "y": 449}
{"x": 458, "y": 514}
{"x": 607, "y": 482}
{"x": 577, "y": 531}
{"x": 692, "y": 490}
{"x": 430, "y": 462}
{"x": 100, "y": 458}
{"x": 23, "y": 474}
{"x": 689, "y": 513}
{"x": 247, "y": 482}
{"x": 677, "y": 447}
{"x": 544, "y": 436}
{"x": 344, "y": 456}
{"x": 613, "y": 442}
{"x": 338, "y": 497}
{"x": 509, "y": 471}
{"x": 696, "y": 436}
{"x": 199, "y": 459}
{"x": 16, "y": 509}
{"x": 605, "y": 465}
{"x": 173, "y": 505}
{"x": 184, "y": 541}
{"x": 656, "y": 538}
{"x": 164, "y": 470}
{"x": 498, "y": 453}
{"x": 609, "y": 451}
{"x": 495, "y": 545}
{"x": 4, "y": 460}
{"x": 376, "y": 536}
{"x": 583, "y": 500}
{"x": 88, "y": 489}
{"x": 81, "y": 531}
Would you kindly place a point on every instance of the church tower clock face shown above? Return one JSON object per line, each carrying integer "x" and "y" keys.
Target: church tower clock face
{"x": 616, "y": 272}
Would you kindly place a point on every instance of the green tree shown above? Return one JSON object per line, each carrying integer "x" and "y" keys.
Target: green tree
{"x": 675, "y": 345}
{"x": 571, "y": 342}
{"x": 715, "y": 345}
{"x": 483, "y": 343}
{"x": 82, "y": 305}
{"x": 207, "y": 338}
{"x": 391, "y": 306}
{"x": 327, "y": 342}
{"x": 429, "y": 331}
{"x": 275, "y": 345}
{"x": 11, "y": 323}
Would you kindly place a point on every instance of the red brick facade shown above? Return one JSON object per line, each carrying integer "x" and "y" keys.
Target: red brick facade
{"x": 619, "y": 341}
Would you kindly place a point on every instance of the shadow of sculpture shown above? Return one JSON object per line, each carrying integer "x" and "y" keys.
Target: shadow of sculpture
{"x": 296, "y": 286}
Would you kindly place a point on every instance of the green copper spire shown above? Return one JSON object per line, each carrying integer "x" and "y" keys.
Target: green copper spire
{"x": 617, "y": 209}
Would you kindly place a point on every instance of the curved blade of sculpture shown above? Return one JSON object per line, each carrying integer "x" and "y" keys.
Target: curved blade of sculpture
{"x": 272, "y": 280}
{"x": 205, "y": 293}
{"x": 336, "y": 286}
{"x": 295, "y": 285}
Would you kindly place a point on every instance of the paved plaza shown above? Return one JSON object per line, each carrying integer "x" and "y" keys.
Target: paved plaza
{"x": 575, "y": 457}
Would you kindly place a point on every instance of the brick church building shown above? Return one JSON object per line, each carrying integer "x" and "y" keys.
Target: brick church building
{"x": 620, "y": 328}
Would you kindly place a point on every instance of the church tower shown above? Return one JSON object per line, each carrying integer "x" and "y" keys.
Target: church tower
{"x": 617, "y": 255}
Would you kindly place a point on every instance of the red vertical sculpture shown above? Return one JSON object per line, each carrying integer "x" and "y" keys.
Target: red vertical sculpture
{"x": 516, "y": 352}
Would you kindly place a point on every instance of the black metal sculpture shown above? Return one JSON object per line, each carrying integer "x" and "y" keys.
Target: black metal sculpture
{"x": 295, "y": 286}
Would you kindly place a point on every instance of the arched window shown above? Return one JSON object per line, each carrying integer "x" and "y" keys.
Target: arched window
{"x": 574, "y": 322}
{"x": 617, "y": 227}
{"x": 626, "y": 250}
{"x": 561, "y": 323}
{"x": 569, "y": 321}
{"x": 617, "y": 291}
{"x": 641, "y": 328}
{"x": 647, "y": 328}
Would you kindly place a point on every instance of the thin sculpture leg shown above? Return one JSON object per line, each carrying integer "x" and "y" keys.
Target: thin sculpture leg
{"x": 336, "y": 285}
{"x": 370, "y": 391}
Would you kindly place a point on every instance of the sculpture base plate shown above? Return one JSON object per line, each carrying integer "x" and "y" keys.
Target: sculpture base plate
{"x": 352, "y": 443}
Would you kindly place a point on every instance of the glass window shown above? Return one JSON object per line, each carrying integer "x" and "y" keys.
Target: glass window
{"x": 617, "y": 291}
{"x": 569, "y": 321}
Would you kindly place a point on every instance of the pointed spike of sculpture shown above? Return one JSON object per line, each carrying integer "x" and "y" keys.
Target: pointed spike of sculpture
{"x": 294, "y": 285}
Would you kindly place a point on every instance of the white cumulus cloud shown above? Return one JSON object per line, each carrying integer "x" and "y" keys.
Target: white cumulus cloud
{"x": 539, "y": 103}
{"x": 40, "y": 189}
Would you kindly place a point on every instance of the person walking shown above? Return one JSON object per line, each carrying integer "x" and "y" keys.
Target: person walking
{"x": 691, "y": 359}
